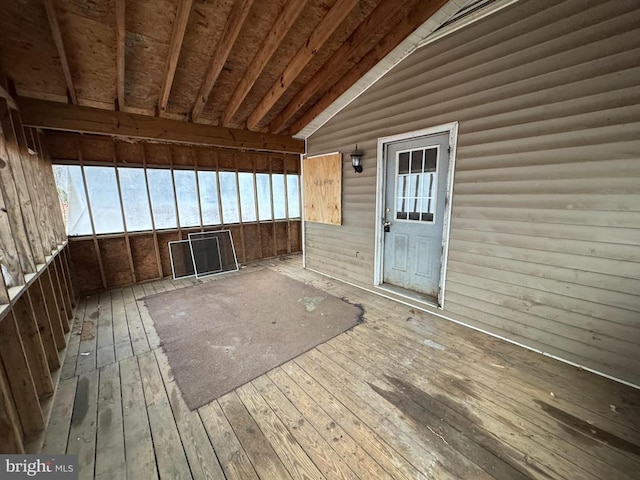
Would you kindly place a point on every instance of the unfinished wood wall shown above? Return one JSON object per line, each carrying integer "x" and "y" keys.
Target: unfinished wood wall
{"x": 106, "y": 261}
{"x": 36, "y": 292}
{"x": 545, "y": 231}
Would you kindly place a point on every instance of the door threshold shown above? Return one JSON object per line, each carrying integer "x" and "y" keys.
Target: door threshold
{"x": 408, "y": 294}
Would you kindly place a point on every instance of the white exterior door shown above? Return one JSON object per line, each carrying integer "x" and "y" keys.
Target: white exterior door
{"x": 414, "y": 211}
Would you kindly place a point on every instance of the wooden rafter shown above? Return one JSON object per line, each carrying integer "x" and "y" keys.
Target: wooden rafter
{"x": 57, "y": 38}
{"x": 232, "y": 28}
{"x": 120, "y": 50}
{"x": 177, "y": 36}
{"x": 7, "y": 96}
{"x": 269, "y": 45}
{"x": 61, "y": 116}
{"x": 320, "y": 35}
{"x": 416, "y": 17}
{"x": 378, "y": 19}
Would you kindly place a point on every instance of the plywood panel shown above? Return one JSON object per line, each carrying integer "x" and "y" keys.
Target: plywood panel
{"x": 145, "y": 262}
{"x": 85, "y": 263}
{"x": 163, "y": 241}
{"x": 322, "y": 183}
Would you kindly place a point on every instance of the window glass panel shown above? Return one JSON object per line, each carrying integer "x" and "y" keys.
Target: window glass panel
{"x": 263, "y": 186}
{"x": 403, "y": 162}
{"x": 247, "y": 197}
{"x": 133, "y": 186}
{"x": 229, "y": 197}
{"x": 104, "y": 199}
{"x": 431, "y": 158}
{"x": 162, "y": 200}
{"x": 187, "y": 193}
{"x": 73, "y": 199}
{"x": 416, "y": 161}
{"x": 209, "y": 197}
{"x": 279, "y": 207}
{"x": 293, "y": 195}
{"x": 415, "y": 191}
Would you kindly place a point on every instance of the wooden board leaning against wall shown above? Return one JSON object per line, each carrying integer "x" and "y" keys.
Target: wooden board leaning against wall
{"x": 37, "y": 296}
{"x": 109, "y": 260}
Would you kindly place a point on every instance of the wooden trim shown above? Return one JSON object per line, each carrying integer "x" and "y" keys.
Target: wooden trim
{"x": 194, "y": 155}
{"x": 270, "y": 44}
{"x": 175, "y": 195}
{"x": 177, "y": 36}
{"x": 403, "y": 29}
{"x": 120, "y": 51}
{"x": 153, "y": 222}
{"x": 329, "y": 23}
{"x": 124, "y": 220}
{"x": 60, "y": 116}
{"x": 255, "y": 206}
{"x": 273, "y": 216}
{"x": 93, "y": 225}
{"x": 235, "y": 21}
{"x": 57, "y": 38}
{"x": 244, "y": 250}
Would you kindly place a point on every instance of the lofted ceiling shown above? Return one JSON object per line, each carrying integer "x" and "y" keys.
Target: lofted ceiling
{"x": 261, "y": 65}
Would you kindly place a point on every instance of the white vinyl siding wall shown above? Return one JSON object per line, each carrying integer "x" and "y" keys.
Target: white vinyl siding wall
{"x": 545, "y": 232}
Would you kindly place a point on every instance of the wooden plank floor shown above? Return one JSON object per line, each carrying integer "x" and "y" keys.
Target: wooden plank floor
{"x": 404, "y": 395}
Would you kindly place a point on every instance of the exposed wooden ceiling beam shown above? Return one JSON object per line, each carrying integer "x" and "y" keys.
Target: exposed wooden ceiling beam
{"x": 378, "y": 19}
{"x": 270, "y": 44}
{"x": 120, "y": 50}
{"x": 416, "y": 17}
{"x": 320, "y": 35}
{"x": 65, "y": 117}
{"x": 7, "y": 96}
{"x": 177, "y": 36}
{"x": 57, "y": 38}
{"x": 235, "y": 20}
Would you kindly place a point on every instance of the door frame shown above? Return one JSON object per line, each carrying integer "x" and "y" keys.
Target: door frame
{"x": 378, "y": 273}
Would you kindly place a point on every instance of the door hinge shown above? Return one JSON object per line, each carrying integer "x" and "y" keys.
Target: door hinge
{"x": 449, "y": 149}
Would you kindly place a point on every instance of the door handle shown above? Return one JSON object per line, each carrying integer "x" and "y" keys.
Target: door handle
{"x": 386, "y": 226}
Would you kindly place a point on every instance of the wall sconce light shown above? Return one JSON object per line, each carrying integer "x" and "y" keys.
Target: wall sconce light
{"x": 356, "y": 159}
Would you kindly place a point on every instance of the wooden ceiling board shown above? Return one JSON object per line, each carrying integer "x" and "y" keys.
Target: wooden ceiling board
{"x": 258, "y": 23}
{"x": 304, "y": 26}
{"x": 205, "y": 27}
{"x": 153, "y": 19}
{"x": 91, "y": 51}
{"x": 30, "y": 59}
{"x": 145, "y": 60}
{"x": 149, "y": 26}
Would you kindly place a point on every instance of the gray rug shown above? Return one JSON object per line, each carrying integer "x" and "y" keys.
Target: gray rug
{"x": 224, "y": 333}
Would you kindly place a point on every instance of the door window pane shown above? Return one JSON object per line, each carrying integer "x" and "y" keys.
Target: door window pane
{"x": 104, "y": 199}
{"x": 293, "y": 195}
{"x": 247, "y": 197}
{"x": 209, "y": 198}
{"x": 187, "y": 193}
{"x": 229, "y": 197}
{"x": 279, "y": 207}
{"x": 133, "y": 186}
{"x": 263, "y": 185}
{"x": 73, "y": 199}
{"x": 416, "y": 184}
{"x": 162, "y": 200}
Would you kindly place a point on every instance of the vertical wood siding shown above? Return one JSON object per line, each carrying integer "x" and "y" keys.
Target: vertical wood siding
{"x": 545, "y": 233}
